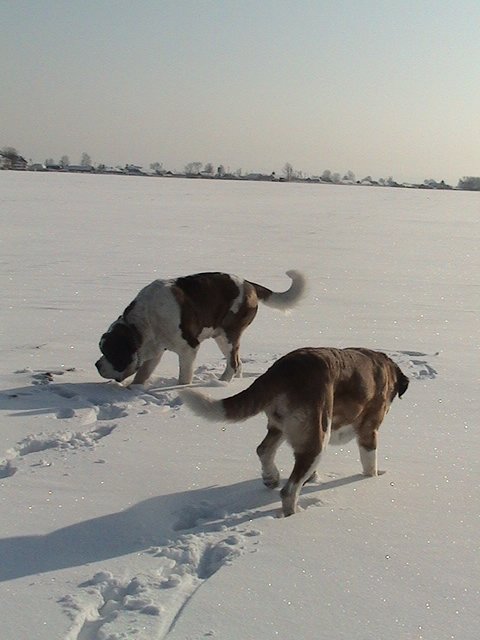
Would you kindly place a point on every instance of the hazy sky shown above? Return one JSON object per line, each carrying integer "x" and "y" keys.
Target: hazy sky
{"x": 380, "y": 87}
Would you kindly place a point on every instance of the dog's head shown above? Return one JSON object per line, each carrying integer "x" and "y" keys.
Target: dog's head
{"x": 119, "y": 346}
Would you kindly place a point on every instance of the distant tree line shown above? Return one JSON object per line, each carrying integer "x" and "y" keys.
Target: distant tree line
{"x": 10, "y": 158}
{"x": 469, "y": 183}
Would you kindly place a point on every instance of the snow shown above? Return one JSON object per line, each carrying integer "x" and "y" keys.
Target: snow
{"x": 125, "y": 516}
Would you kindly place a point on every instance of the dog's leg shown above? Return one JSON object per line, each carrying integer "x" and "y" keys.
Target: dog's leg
{"x": 325, "y": 419}
{"x": 233, "y": 326}
{"x": 230, "y": 348}
{"x": 266, "y": 451}
{"x": 326, "y": 424}
{"x": 305, "y": 464}
{"x": 367, "y": 445}
{"x": 313, "y": 478}
{"x": 367, "y": 437}
{"x": 147, "y": 368}
{"x": 186, "y": 358}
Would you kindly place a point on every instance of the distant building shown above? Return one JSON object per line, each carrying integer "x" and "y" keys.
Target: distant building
{"x": 17, "y": 163}
{"x": 259, "y": 177}
{"x": 79, "y": 168}
{"x": 134, "y": 170}
{"x": 111, "y": 170}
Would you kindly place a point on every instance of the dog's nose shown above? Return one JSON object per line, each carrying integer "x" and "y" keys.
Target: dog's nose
{"x": 97, "y": 364}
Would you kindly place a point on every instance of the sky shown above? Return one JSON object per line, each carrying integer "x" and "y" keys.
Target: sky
{"x": 381, "y": 88}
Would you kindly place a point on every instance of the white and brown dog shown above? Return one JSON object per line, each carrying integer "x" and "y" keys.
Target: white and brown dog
{"x": 313, "y": 396}
{"x": 177, "y": 315}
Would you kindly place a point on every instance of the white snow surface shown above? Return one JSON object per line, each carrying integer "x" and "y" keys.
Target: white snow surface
{"x": 122, "y": 515}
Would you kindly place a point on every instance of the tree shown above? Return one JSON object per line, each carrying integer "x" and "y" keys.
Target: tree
{"x": 193, "y": 168}
{"x": 86, "y": 161}
{"x": 208, "y": 168}
{"x": 326, "y": 176}
{"x": 469, "y": 183}
{"x": 10, "y": 152}
{"x": 156, "y": 167}
{"x": 336, "y": 178}
{"x": 220, "y": 171}
{"x": 288, "y": 172}
{"x": 64, "y": 161}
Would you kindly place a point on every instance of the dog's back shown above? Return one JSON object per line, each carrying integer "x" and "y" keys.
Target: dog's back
{"x": 353, "y": 376}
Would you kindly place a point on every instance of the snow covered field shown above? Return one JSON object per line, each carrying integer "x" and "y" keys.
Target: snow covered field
{"x": 124, "y": 516}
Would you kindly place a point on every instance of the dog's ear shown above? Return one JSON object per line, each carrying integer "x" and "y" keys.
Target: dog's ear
{"x": 402, "y": 383}
{"x": 136, "y": 336}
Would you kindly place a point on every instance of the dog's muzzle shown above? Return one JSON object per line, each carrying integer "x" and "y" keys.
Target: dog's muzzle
{"x": 107, "y": 372}
{"x": 100, "y": 369}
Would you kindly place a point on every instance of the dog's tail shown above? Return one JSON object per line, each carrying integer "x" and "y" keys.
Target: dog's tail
{"x": 236, "y": 408}
{"x": 283, "y": 300}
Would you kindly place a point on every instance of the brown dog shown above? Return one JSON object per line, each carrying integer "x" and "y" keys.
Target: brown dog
{"x": 313, "y": 396}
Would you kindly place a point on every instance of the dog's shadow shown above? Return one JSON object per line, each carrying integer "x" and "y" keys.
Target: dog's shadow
{"x": 153, "y": 522}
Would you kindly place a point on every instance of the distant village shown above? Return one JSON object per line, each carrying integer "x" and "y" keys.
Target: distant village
{"x": 10, "y": 159}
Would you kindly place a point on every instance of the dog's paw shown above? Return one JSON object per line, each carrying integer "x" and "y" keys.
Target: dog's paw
{"x": 137, "y": 387}
{"x": 271, "y": 482}
{"x": 373, "y": 474}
